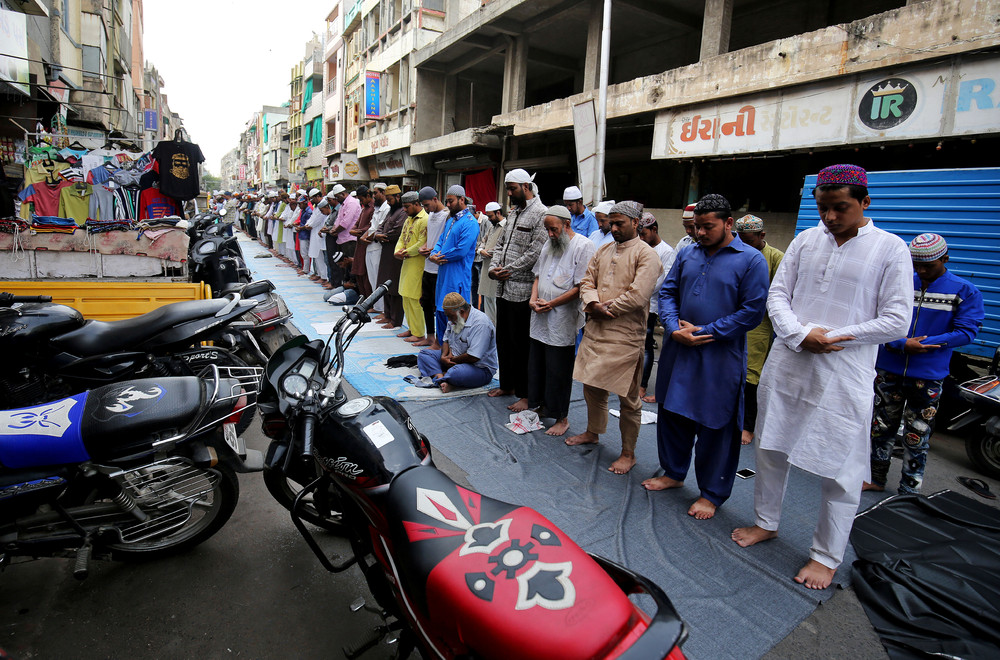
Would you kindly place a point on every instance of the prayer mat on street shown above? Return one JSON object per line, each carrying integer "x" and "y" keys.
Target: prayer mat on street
{"x": 929, "y": 575}
{"x": 738, "y": 602}
{"x": 314, "y": 317}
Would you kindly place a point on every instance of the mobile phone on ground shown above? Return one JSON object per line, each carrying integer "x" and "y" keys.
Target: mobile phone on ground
{"x": 745, "y": 473}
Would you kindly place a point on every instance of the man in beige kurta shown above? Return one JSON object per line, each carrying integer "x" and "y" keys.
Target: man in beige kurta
{"x": 615, "y": 294}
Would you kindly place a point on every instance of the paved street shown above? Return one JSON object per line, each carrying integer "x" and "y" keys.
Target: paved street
{"x": 255, "y": 591}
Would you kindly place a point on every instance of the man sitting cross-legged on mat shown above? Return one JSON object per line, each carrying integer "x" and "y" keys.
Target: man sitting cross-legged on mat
{"x": 468, "y": 356}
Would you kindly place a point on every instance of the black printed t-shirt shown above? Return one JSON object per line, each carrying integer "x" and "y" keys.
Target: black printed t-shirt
{"x": 177, "y": 163}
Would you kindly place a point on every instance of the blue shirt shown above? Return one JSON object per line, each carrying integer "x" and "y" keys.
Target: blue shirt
{"x": 584, "y": 224}
{"x": 950, "y": 313}
{"x": 726, "y": 294}
{"x": 478, "y": 338}
{"x": 457, "y": 244}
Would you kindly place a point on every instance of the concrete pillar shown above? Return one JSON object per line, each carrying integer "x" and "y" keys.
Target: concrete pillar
{"x": 448, "y": 104}
{"x": 515, "y": 75}
{"x": 715, "y": 28}
{"x": 592, "y": 62}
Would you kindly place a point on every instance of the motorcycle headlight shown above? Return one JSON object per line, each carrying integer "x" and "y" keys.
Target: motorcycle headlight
{"x": 295, "y": 385}
{"x": 206, "y": 248}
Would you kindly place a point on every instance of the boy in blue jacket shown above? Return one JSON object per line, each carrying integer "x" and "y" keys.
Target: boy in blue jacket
{"x": 947, "y": 313}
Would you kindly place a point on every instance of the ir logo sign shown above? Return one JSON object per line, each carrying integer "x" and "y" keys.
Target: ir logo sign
{"x": 887, "y": 104}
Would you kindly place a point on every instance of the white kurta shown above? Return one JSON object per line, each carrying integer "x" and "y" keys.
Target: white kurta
{"x": 317, "y": 243}
{"x": 816, "y": 408}
{"x": 289, "y": 234}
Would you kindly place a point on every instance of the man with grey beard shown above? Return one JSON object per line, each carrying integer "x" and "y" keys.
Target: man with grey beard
{"x": 556, "y": 316}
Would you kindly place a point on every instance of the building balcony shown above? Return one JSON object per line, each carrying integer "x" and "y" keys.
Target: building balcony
{"x": 331, "y": 146}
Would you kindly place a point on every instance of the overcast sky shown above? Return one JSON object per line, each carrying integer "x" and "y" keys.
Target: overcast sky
{"x": 221, "y": 60}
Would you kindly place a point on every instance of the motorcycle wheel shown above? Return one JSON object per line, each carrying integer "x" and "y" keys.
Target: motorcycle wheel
{"x": 983, "y": 450}
{"x": 219, "y": 491}
{"x": 285, "y": 490}
{"x": 227, "y": 359}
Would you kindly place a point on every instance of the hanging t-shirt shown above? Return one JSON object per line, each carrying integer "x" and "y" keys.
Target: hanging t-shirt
{"x": 74, "y": 202}
{"x": 126, "y": 204}
{"x": 177, "y": 163}
{"x": 154, "y": 204}
{"x": 102, "y": 201}
{"x": 44, "y": 197}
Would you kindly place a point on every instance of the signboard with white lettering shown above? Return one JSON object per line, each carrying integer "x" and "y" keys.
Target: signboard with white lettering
{"x": 938, "y": 100}
{"x": 373, "y": 99}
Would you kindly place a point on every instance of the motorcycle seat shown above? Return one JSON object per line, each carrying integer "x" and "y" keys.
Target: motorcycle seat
{"x": 104, "y": 423}
{"x": 99, "y": 337}
{"x": 492, "y": 575}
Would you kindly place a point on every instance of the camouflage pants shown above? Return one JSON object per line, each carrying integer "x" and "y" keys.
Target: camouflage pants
{"x": 914, "y": 402}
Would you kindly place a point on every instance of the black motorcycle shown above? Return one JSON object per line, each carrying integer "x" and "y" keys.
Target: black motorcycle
{"x": 981, "y": 423}
{"x": 136, "y": 470}
{"x": 455, "y": 573}
{"x": 52, "y": 352}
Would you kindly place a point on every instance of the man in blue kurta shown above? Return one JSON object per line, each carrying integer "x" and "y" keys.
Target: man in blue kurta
{"x": 582, "y": 220}
{"x": 715, "y": 292}
{"x": 454, "y": 251}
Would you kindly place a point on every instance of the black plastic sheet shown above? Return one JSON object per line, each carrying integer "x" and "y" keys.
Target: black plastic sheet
{"x": 928, "y": 575}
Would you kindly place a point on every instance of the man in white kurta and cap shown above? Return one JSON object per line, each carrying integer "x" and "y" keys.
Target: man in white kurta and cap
{"x": 602, "y": 235}
{"x": 843, "y": 288}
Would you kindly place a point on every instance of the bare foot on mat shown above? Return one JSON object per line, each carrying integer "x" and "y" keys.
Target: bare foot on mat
{"x": 559, "y": 427}
{"x": 661, "y": 483}
{"x": 702, "y": 509}
{"x": 496, "y": 391}
{"x": 815, "y": 575}
{"x": 445, "y": 387}
{"x": 518, "y": 406}
{"x": 870, "y": 486}
{"x": 585, "y": 438}
{"x": 747, "y": 536}
{"x": 746, "y": 437}
{"x": 622, "y": 464}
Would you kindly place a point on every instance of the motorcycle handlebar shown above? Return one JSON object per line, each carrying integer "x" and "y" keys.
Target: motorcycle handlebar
{"x": 363, "y": 306}
{"x": 308, "y": 428}
{"x": 8, "y": 299}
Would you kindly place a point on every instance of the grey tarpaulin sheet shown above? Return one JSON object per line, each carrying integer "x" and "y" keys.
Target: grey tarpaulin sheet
{"x": 738, "y": 602}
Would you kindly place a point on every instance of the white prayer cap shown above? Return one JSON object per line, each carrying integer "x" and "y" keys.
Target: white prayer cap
{"x": 604, "y": 207}
{"x": 519, "y": 176}
{"x": 380, "y": 186}
{"x": 492, "y": 206}
{"x": 336, "y": 190}
{"x": 572, "y": 193}
{"x": 314, "y": 192}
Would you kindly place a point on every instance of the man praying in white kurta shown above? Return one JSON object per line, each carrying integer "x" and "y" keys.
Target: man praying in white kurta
{"x": 843, "y": 288}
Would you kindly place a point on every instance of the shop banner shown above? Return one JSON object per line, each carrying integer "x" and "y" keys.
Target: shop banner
{"x": 373, "y": 98}
{"x": 14, "y": 42}
{"x": 150, "y": 118}
{"x": 939, "y": 100}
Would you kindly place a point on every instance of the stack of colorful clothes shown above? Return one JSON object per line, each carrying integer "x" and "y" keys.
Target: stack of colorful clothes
{"x": 50, "y": 224}
{"x": 101, "y": 226}
{"x": 13, "y": 225}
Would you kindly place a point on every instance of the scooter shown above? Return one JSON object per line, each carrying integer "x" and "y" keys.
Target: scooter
{"x": 455, "y": 573}
{"x": 983, "y": 397}
{"x": 136, "y": 470}
{"x": 51, "y": 351}
{"x": 213, "y": 257}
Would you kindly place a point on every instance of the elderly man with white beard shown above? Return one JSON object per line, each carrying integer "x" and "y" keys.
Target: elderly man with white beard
{"x": 556, "y": 316}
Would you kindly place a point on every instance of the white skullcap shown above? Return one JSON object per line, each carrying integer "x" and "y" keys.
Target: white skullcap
{"x": 336, "y": 190}
{"x": 380, "y": 186}
{"x": 492, "y": 206}
{"x": 572, "y": 193}
{"x": 314, "y": 192}
{"x": 518, "y": 176}
{"x": 604, "y": 207}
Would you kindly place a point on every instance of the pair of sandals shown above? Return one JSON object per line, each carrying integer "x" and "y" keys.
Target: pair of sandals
{"x": 977, "y": 486}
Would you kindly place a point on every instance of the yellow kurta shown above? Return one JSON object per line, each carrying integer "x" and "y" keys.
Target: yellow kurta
{"x": 759, "y": 339}
{"x": 623, "y": 274}
{"x": 412, "y": 238}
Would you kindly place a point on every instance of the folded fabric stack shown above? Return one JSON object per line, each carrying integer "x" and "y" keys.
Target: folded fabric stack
{"x": 101, "y": 226}
{"x": 13, "y": 225}
{"x": 50, "y": 224}
{"x": 155, "y": 227}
